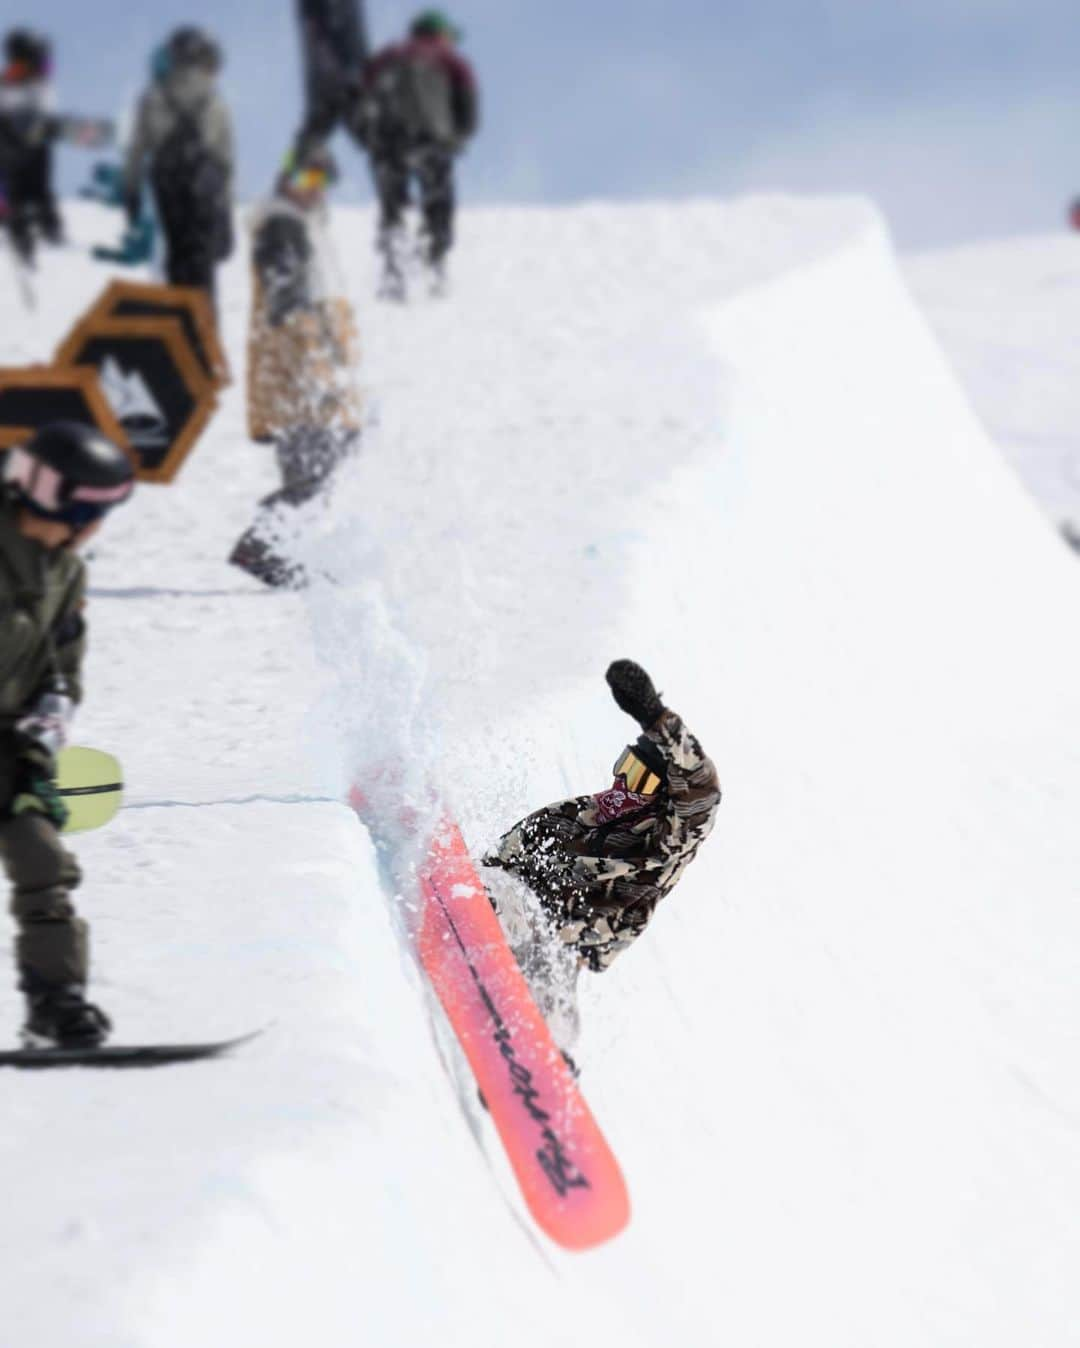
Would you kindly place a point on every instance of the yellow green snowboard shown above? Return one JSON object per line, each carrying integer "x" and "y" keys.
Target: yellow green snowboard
{"x": 91, "y": 785}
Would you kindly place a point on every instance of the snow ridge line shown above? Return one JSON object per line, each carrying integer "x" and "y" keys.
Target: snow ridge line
{"x": 256, "y": 799}
{"x": 161, "y": 592}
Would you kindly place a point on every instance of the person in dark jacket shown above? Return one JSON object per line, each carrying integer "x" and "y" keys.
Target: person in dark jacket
{"x": 56, "y": 490}
{"x": 27, "y": 130}
{"x": 598, "y": 865}
{"x": 419, "y": 107}
{"x": 183, "y": 139}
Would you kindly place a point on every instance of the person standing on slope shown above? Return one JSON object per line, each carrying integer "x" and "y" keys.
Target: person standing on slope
{"x": 56, "y": 491}
{"x": 598, "y": 865}
{"x": 418, "y": 108}
{"x": 302, "y": 359}
{"x": 27, "y": 117}
{"x": 183, "y": 134}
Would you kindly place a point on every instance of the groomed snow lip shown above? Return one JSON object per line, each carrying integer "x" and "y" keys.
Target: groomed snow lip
{"x": 858, "y": 1085}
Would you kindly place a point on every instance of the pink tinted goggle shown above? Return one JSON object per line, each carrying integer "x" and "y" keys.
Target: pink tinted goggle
{"x": 44, "y": 490}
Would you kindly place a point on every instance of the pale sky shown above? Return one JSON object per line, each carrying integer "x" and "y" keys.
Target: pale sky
{"x": 959, "y": 117}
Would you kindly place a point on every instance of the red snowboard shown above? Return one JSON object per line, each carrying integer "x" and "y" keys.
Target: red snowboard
{"x": 567, "y": 1173}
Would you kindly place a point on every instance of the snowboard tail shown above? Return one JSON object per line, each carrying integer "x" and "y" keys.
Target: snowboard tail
{"x": 120, "y": 1055}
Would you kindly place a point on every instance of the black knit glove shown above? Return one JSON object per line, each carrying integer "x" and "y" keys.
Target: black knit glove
{"x": 35, "y": 790}
{"x": 633, "y": 690}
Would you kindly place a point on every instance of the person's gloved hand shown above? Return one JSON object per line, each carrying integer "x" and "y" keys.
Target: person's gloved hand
{"x": 633, "y": 690}
{"x": 35, "y": 790}
{"x": 46, "y": 724}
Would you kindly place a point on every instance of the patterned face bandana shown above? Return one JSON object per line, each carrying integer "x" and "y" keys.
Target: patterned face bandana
{"x": 619, "y": 800}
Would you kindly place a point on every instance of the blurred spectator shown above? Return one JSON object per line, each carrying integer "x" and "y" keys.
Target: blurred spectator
{"x": 183, "y": 135}
{"x": 27, "y": 122}
{"x": 302, "y": 358}
{"x": 417, "y": 110}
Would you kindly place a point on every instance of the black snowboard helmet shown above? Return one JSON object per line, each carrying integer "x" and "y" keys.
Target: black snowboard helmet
{"x": 69, "y": 472}
{"x": 24, "y": 48}
{"x": 190, "y": 47}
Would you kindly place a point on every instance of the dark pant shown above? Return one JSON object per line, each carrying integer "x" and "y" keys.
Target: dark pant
{"x": 51, "y": 946}
{"x": 32, "y": 193}
{"x": 329, "y": 103}
{"x": 431, "y": 167}
{"x": 307, "y": 458}
{"x": 198, "y": 235}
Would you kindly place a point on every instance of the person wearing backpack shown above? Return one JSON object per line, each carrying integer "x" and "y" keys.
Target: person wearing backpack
{"x": 183, "y": 138}
{"x": 418, "y": 108}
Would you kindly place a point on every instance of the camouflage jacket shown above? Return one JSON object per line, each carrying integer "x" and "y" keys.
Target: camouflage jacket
{"x": 600, "y": 882}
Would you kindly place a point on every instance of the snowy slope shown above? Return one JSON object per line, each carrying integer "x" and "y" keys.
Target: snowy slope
{"x": 1008, "y": 316}
{"x": 840, "y": 1071}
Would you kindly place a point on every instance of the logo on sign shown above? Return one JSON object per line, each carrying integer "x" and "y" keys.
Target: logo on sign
{"x": 134, "y": 405}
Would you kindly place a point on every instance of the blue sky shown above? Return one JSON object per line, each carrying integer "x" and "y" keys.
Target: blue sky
{"x": 959, "y": 117}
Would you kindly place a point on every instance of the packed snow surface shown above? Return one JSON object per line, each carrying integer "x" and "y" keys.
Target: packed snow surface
{"x": 1008, "y": 315}
{"x": 840, "y": 1070}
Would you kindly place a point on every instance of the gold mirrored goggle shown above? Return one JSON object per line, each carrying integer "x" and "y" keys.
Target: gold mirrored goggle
{"x": 640, "y": 778}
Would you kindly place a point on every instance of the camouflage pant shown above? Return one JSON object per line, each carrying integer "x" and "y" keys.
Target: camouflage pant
{"x": 550, "y": 966}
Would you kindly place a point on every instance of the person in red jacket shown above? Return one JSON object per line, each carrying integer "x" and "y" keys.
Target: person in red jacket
{"x": 417, "y": 110}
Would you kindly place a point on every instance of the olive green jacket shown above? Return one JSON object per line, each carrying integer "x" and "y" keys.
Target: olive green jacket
{"x": 42, "y": 633}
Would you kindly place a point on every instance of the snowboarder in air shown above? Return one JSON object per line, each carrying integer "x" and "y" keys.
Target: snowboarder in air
{"x": 302, "y": 359}
{"x": 27, "y": 131}
{"x": 596, "y": 867}
{"x": 333, "y": 40}
{"x": 183, "y": 137}
{"x": 418, "y": 108}
{"x": 56, "y": 491}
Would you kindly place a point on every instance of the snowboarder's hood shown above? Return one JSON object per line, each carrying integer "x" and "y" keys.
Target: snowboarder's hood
{"x": 188, "y": 87}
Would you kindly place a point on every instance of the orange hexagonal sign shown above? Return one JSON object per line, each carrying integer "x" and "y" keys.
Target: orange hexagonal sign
{"x": 190, "y": 306}
{"x": 32, "y": 396}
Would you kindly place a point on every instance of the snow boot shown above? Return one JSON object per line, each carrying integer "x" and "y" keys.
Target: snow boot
{"x": 61, "y": 1017}
{"x": 393, "y": 247}
{"x": 255, "y": 556}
